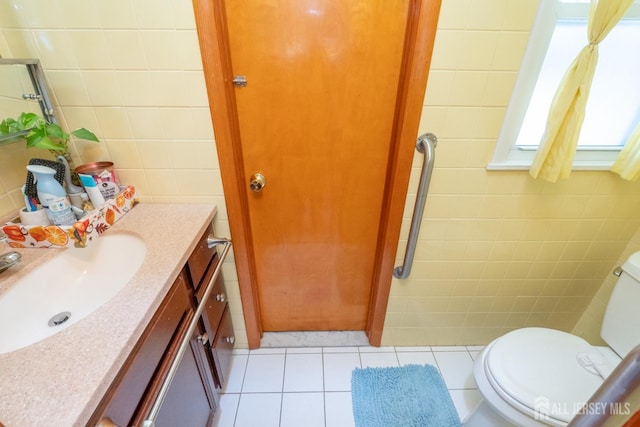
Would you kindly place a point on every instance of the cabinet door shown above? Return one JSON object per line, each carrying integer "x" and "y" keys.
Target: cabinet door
{"x": 191, "y": 400}
{"x": 222, "y": 348}
{"x": 121, "y": 401}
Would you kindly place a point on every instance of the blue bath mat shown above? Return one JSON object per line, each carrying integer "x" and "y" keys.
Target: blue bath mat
{"x": 407, "y": 396}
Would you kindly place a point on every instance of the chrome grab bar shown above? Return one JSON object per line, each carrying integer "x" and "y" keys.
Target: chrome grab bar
{"x": 612, "y": 397}
{"x": 175, "y": 363}
{"x": 426, "y": 144}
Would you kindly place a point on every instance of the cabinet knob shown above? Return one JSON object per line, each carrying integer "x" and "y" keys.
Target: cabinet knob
{"x": 221, "y": 297}
{"x": 230, "y": 340}
{"x": 106, "y": 422}
{"x": 203, "y": 339}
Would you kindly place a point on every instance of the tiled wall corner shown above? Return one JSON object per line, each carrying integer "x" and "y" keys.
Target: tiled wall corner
{"x": 588, "y": 326}
{"x": 499, "y": 250}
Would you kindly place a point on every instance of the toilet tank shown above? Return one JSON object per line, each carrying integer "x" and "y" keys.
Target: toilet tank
{"x": 620, "y": 325}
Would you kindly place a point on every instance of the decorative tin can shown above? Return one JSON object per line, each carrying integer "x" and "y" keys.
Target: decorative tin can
{"x": 104, "y": 175}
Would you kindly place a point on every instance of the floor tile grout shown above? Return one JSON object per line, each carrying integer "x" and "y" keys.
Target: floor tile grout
{"x": 287, "y": 356}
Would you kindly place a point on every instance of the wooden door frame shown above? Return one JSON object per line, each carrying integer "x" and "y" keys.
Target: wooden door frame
{"x": 216, "y": 59}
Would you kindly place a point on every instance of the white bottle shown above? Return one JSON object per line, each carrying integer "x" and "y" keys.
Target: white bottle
{"x": 90, "y": 186}
{"x": 52, "y": 196}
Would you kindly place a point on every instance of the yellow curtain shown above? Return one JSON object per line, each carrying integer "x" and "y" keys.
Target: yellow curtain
{"x": 560, "y": 139}
{"x": 627, "y": 164}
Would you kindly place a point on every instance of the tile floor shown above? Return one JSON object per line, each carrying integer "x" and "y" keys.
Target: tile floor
{"x": 311, "y": 386}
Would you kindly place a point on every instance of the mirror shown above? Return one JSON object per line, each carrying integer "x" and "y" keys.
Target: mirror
{"x": 23, "y": 89}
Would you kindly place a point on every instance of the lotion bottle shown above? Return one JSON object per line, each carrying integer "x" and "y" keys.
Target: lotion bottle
{"x": 52, "y": 195}
{"x": 90, "y": 186}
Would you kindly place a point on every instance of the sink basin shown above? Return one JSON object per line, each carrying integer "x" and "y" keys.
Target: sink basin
{"x": 67, "y": 288}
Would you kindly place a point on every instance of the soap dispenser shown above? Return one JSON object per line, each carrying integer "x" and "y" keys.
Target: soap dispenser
{"x": 52, "y": 195}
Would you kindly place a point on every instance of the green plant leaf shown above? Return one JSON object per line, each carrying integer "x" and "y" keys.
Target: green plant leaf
{"x": 38, "y": 140}
{"x": 83, "y": 133}
{"x": 29, "y": 120}
{"x": 9, "y": 126}
{"x": 37, "y": 132}
{"x": 33, "y": 139}
{"x": 56, "y": 132}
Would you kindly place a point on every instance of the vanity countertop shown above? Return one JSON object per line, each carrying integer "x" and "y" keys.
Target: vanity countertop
{"x": 60, "y": 380}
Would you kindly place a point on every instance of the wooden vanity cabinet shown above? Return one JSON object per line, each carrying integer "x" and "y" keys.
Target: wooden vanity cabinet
{"x": 192, "y": 399}
{"x": 217, "y": 323}
{"x": 121, "y": 401}
{"x": 216, "y": 316}
{"x": 222, "y": 348}
{"x": 200, "y": 261}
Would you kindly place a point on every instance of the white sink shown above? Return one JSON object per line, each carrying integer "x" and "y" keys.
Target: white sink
{"x": 69, "y": 286}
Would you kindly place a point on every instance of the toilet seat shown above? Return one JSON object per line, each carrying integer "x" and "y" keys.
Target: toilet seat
{"x": 536, "y": 371}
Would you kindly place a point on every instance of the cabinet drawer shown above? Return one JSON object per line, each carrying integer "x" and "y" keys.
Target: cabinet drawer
{"x": 215, "y": 305}
{"x": 121, "y": 400}
{"x": 200, "y": 259}
{"x": 222, "y": 348}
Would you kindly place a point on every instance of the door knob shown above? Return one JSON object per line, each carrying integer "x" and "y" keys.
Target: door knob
{"x": 257, "y": 182}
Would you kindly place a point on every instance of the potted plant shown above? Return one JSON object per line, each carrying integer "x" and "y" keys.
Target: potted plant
{"x": 39, "y": 133}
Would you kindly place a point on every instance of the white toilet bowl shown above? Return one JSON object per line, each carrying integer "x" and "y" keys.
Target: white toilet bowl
{"x": 535, "y": 377}
{"x": 532, "y": 377}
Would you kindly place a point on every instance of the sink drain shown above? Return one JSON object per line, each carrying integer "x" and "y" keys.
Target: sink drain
{"x": 59, "y": 318}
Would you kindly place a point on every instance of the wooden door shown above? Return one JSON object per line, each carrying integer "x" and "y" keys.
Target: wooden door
{"x": 329, "y": 116}
{"x": 316, "y": 119}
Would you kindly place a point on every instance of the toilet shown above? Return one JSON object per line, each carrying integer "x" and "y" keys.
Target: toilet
{"x": 538, "y": 377}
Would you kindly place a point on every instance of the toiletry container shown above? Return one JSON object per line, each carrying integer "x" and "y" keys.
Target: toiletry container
{"x": 52, "y": 195}
{"x": 104, "y": 174}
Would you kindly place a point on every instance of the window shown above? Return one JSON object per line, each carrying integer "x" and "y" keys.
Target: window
{"x": 613, "y": 108}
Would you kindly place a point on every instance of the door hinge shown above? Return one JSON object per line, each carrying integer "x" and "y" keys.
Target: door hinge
{"x": 240, "y": 81}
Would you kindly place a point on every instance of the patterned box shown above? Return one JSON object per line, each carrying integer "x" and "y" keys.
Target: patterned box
{"x": 78, "y": 235}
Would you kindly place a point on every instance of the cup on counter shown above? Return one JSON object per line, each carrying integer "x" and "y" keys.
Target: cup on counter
{"x": 37, "y": 217}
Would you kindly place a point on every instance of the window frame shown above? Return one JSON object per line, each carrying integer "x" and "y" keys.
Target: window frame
{"x": 506, "y": 155}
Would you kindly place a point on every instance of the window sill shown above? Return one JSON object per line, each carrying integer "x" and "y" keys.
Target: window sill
{"x": 525, "y": 165}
